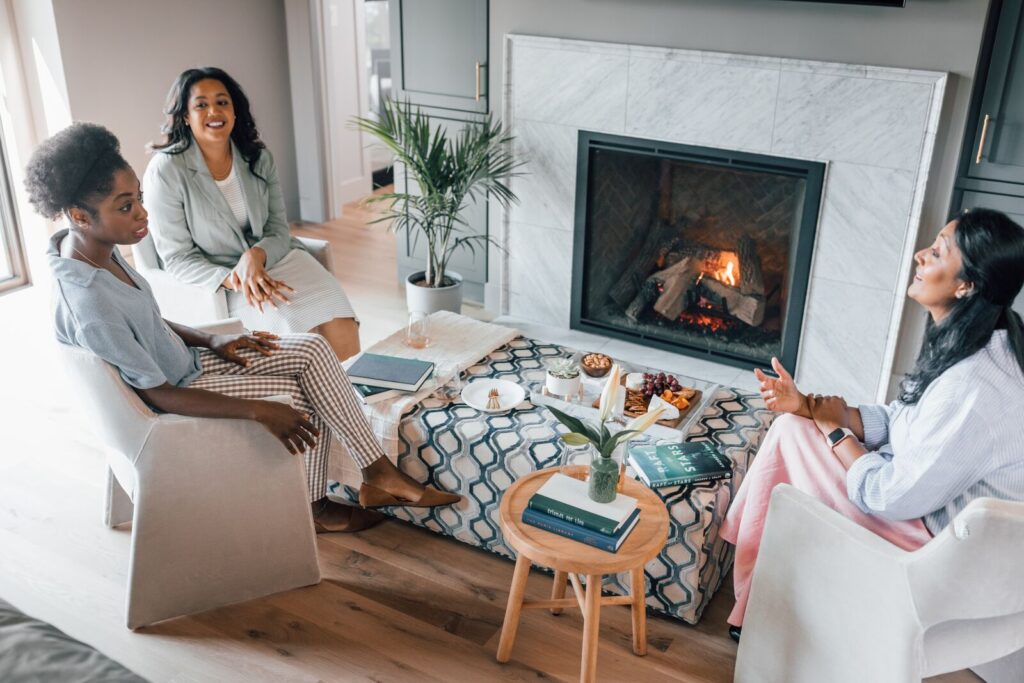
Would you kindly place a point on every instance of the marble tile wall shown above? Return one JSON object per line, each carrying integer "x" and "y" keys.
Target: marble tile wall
{"x": 874, "y": 127}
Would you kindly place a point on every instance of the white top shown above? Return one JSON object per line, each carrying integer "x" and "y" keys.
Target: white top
{"x": 964, "y": 439}
{"x": 231, "y": 188}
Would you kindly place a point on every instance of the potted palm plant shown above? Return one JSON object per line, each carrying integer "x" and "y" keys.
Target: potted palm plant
{"x": 448, "y": 173}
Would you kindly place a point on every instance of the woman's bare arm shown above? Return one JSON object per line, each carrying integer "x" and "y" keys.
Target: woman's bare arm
{"x": 290, "y": 426}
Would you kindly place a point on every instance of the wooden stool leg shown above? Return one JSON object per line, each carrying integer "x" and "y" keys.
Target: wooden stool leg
{"x": 591, "y": 629}
{"x": 514, "y": 607}
{"x": 558, "y": 590}
{"x": 639, "y": 595}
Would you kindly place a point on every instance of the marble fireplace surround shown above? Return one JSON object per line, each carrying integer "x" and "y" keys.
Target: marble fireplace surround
{"x": 874, "y": 127}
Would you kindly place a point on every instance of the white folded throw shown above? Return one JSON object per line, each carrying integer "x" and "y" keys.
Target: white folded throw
{"x": 455, "y": 341}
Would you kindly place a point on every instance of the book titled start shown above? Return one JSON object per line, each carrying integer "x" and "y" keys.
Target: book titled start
{"x": 676, "y": 464}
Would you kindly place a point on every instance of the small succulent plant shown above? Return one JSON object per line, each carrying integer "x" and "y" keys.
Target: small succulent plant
{"x": 564, "y": 368}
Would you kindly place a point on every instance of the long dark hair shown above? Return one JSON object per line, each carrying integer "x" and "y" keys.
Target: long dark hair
{"x": 178, "y": 136}
{"x": 992, "y": 250}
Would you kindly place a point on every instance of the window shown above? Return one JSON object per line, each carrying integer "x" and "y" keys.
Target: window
{"x": 13, "y": 268}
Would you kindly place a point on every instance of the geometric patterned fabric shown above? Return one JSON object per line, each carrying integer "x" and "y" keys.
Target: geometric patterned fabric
{"x": 456, "y": 448}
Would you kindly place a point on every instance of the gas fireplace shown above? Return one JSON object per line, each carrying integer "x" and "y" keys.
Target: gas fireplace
{"x": 701, "y": 251}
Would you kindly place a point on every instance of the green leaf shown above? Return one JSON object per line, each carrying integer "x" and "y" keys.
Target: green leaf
{"x": 575, "y": 425}
{"x": 446, "y": 173}
{"x": 574, "y": 439}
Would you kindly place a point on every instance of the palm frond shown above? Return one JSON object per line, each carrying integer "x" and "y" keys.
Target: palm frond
{"x": 449, "y": 174}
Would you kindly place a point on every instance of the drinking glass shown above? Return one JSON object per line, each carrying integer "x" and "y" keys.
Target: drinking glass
{"x": 451, "y": 390}
{"x": 417, "y": 332}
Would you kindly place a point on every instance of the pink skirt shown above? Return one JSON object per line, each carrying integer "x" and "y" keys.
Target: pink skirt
{"x": 794, "y": 452}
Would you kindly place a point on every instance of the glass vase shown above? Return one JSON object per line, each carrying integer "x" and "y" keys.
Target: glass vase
{"x": 603, "y": 482}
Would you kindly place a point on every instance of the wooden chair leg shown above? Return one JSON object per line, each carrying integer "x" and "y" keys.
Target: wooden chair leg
{"x": 514, "y": 607}
{"x": 591, "y": 629}
{"x": 558, "y": 590}
{"x": 639, "y": 607}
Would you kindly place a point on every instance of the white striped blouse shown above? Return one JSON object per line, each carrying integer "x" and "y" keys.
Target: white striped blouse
{"x": 231, "y": 188}
{"x": 964, "y": 439}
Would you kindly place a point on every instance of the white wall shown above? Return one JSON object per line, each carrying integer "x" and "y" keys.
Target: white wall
{"x": 307, "y": 114}
{"x": 121, "y": 56}
{"x": 345, "y": 75}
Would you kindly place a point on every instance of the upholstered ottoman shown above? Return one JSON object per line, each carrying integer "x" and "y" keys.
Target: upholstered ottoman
{"x": 459, "y": 449}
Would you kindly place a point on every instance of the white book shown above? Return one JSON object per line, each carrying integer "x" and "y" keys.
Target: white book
{"x": 560, "y": 493}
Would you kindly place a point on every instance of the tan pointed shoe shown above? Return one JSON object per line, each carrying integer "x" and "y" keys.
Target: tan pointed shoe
{"x": 373, "y": 497}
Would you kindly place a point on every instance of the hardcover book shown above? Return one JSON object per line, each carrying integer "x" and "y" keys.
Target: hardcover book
{"x": 566, "y": 498}
{"x": 372, "y": 395}
{"x": 676, "y": 464}
{"x": 389, "y": 372}
{"x": 608, "y": 542}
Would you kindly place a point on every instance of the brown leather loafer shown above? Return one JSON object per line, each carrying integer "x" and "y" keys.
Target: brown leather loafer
{"x": 330, "y": 517}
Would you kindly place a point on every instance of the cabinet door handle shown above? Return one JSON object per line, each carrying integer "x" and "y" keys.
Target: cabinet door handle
{"x": 478, "y": 81}
{"x": 981, "y": 143}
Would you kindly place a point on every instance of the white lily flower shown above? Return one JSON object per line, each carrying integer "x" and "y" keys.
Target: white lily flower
{"x": 642, "y": 422}
{"x": 610, "y": 393}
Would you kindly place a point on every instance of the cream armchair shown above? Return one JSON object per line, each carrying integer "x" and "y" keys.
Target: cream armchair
{"x": 831, "y": 601}
{"x": 219, "y": 508}
{"x": 191, "y": 304}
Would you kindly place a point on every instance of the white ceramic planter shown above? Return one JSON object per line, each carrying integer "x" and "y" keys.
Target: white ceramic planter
{"x": 431, "y": 299}
{"x": 559, "y": 386}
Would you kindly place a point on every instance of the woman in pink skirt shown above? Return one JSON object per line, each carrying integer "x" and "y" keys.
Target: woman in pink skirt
{"x": 954, "y": 434}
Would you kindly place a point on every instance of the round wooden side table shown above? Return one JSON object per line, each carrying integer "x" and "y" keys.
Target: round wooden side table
{"x": 572, "y": 560}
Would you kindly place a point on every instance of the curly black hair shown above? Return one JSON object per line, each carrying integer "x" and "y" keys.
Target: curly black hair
{"x": 73, "y": 168}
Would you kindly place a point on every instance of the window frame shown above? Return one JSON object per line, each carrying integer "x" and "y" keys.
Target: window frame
{"x": 10, "y": 231}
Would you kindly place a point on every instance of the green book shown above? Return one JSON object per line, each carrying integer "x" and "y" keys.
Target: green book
{"x": 566, "y": 499}
{"x": 676, "y": 464}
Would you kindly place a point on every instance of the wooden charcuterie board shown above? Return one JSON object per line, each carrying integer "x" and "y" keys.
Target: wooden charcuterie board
{"x": 671, "y": 424}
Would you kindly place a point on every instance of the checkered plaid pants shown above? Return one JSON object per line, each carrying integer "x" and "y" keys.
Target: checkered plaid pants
{"x": 306, "y": 369}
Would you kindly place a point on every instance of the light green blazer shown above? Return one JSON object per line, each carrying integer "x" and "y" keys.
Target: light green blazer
{"x": 195, "y": 234}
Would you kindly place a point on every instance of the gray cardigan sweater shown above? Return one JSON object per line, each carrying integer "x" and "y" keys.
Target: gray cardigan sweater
{"x": 195, "y": 234}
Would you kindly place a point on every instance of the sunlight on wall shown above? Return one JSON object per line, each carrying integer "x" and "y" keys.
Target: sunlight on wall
{"x": 55, "y": 106}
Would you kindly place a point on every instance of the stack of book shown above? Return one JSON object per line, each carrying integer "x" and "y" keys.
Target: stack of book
{"x": 677, "y": 464}
{"x": 563, "y": 507}
{"x": 377, "y": 378}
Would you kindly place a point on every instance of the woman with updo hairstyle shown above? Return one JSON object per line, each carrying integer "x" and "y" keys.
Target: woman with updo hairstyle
{"x": 218, "y": 218}
{"x": 102, "y": 304}
{"x": 955, "y": 432}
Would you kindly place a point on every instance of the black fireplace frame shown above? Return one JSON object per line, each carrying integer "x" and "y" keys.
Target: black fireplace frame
{"x": 801, "y": 250}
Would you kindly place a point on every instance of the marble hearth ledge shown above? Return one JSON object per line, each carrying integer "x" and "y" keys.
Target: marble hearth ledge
{"x": 636, "y": 354}
{"x": 873, "y": 126}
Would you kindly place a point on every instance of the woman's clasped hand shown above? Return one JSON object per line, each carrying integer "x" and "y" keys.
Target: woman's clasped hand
{"x": 251, "y": 279}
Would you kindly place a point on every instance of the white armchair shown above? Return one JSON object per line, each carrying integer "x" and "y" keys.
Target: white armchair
{"x": 831, "y": 601}
{"x": 219, "y": 508}
{"x": 191, "y": 304}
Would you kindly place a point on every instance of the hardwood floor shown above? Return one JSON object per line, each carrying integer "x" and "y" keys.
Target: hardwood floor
{"x": 397, "y": 603}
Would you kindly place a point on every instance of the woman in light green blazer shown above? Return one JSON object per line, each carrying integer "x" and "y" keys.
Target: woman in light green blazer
{"x": 217, "y": 216}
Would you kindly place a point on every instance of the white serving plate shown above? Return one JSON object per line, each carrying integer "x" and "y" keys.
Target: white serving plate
{"x": 510, "y": 394}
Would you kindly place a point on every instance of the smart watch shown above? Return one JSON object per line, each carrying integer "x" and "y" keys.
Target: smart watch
{"x": 837, "y": 435}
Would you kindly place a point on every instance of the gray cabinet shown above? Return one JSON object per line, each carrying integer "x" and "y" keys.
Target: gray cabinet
{"x": 439, "y": 53}
{"x": 991, "y": 172}
{"x": 998, "y": 142}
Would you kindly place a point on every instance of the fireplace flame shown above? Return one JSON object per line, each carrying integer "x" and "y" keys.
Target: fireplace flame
{"x": 727, "y": 276}
{"x": 725, "y": 268}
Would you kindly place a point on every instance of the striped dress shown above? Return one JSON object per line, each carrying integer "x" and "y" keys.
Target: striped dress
{"x": 964, "y": 439}
{"x": 318, "y": 296}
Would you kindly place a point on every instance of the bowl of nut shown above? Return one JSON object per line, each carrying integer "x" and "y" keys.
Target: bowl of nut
{"x": 596, "y": 364}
